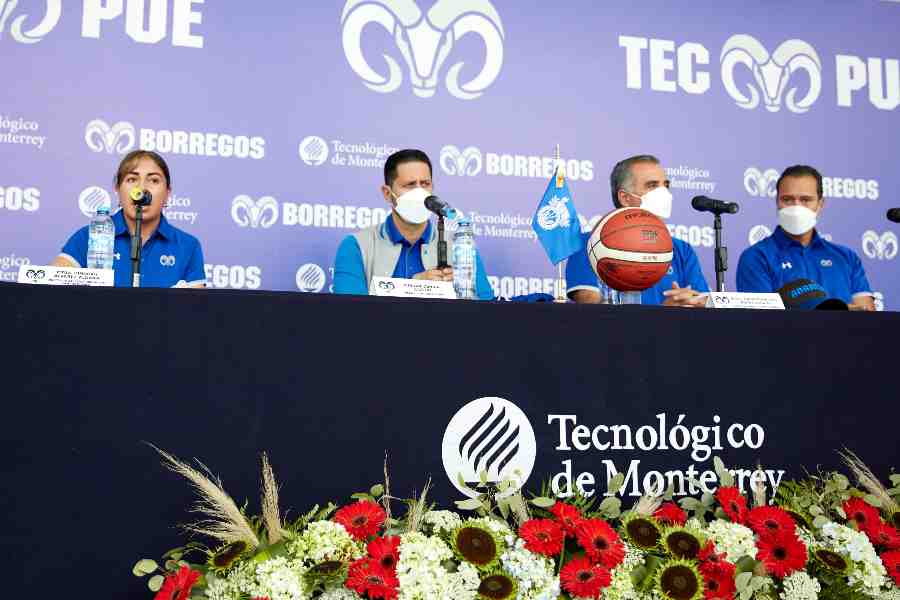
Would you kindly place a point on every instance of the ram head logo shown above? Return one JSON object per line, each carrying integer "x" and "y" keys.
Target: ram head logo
{"x": 461, "y": 162}
{"x": 882, "y": 247}
{"x": 35, "y": 34}
{"x": 425, "y": 42}
{"x": 100, "y": 137}
{"x": 772, "y": 73}
{"x": 760, "y": 183}
{"x": 249, "y": 213}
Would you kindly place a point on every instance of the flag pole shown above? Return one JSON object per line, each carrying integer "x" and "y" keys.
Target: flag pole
{"x": 560, "y": 282}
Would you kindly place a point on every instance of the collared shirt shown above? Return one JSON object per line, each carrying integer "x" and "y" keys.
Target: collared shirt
{"x": 777, "y": 260}
{"x": 684, "y": 270}
{"x": 350, "y": 274}
{"x": 170, "y": 256}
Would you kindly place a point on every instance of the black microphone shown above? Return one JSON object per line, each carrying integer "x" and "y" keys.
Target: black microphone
{"x": 141, "y": 197}
{"x": 717, "y": 207}
{"x": 893, "y": 214}
{"x": 439, "y": 207}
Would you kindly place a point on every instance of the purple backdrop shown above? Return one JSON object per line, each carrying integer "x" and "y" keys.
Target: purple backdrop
{"x": 276, "y": 121}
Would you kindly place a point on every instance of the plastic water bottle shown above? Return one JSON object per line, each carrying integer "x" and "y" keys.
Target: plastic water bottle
{"x": 463, "y": 261}
{"x": 101, "y": 240}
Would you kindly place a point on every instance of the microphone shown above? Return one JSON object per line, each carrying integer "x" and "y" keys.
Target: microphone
{"x": 717, "y": 207}
{"x": 439, "y": 207}
{"x": 141, "y": 197}
{"x": 893, "y": 214}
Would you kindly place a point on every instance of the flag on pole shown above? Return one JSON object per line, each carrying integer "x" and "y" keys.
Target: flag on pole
{"x": 556, "y": 220}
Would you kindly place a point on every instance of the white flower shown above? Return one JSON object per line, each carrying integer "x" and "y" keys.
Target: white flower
{"x": 621, "y": 587}
{"x": 422, "y": 575}
{"x": 866, "y": 570}
{"x": 340, "y": 593}
{"x": 442, "y": 522}
{"x": 324, "y": 541}
{"x": 534, "y": 574}
{"x": 280, "y": 579}
{"x": 733, "y": 539}
{"x": 800, "y": 586}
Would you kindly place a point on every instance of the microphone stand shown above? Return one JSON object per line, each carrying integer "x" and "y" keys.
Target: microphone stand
{"x": 721, "y": 254}
{"x": 442, "y": 244}
{"x": 136, "y": 246}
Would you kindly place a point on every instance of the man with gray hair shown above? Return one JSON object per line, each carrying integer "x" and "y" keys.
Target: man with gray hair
{"x": 640, "y": 181}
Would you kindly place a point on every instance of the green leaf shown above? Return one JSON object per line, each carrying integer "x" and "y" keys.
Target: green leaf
{"x": 616, "y": 483}
{"x": 745, "y": 565}
{"x": 638, "y": 575}
{"x": 719, "y": 466}
{"x": 819, "y": 521}
{"x": 362, "y": 496}
{"x": 377, "y": 490}
{"x": 144, "y": 566}
{"x": 503, "y": 505}
{"x": 611, "y": 504}
{"x": 690, "y": 503}
{"x": 895, "y": 479}
{"x": 482, "y": 476}
{"x": 171, "y": 565}
{"x": 842, "y": 482}
{"x": 543, "y": 502}
{"x": 708, "y": 499}
{"x": 470, "y": 504}
{"x": 815, "y": 511}
{"x": 155, "y": 582}
{"x": 743, "y": 580}
{"x": 670, "y": 493}
{"x": 873, "y": 500}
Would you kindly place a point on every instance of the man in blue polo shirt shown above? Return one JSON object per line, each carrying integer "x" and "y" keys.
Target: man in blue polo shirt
{"x": 797, "y": 251}
{"x": 641, "y": 181}
{"x": 405, "y": 245}
{"x": 169, "y": 257}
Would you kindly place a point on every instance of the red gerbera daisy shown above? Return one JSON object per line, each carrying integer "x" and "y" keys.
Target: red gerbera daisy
{"x": 712, "y": 562}
{"x": 542, "y": 536}
{"x": 770, "y": 521}
{"x": 385, "y": 551}
{"x": 178, "y": 586}
{"x": 719, "y": 586}
{"x": 670, "y": 513}
{"x": 782, "y": 556}
{"x": 366, "y": 576}
{"x": 601, "y": 543}
{"x": 569, "y": 516}
{"x": 862, "y": 513}
{"x": 582, "y": 579}
{"x": 891, "y": 562}
{"x": 733, "y": 503}
{"x": 361, "y": 519}
{"x": 884, "y": 536}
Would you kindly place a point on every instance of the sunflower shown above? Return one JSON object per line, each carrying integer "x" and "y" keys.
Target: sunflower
{"x": 682, "y": 542}
{"x": 224, "y": 558}
{"x": 831, "y": 560}
{"x": 497, "y": 585}
{"x": 642, "y": 532}
{"x": 679, "y": 580}
{"x": 476, "y": 544}
{"x": 328, "y": 574}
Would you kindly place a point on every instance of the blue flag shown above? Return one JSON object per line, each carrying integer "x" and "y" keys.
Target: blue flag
{"x": 556, "y": 221}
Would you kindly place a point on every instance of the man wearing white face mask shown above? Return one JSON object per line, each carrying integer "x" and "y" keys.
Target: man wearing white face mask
{"x": 405, "y": 245}
{"x": 641, "y": 181}
{"x": 796, "y": 251}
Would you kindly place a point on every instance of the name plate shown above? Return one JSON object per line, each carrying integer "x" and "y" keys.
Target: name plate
{"x": 744, "y": 300}
{"x": 411, "y": 288}
{"x": 47, "y": 275}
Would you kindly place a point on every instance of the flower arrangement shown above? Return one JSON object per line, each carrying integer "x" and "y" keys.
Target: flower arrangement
{"x": 819, "y": 538}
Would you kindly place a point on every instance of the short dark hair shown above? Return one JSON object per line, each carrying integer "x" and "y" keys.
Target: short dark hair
{"x": 802, "y": 171}
{"x": 132, "y": 158}
{"x": 620, "y": 177}
{"x": 398, "y": 158}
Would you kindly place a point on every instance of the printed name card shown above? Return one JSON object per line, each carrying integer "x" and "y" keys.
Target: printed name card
{"x": 744, "y": 300}
{"x": 47, "y": 275}
{"x": 411, "y": 288}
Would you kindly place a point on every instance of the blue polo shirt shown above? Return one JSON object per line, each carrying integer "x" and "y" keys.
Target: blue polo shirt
{"x": 170, "y": 255}
{"x": 771, "y": 263}
{"x": 350, "y": 272}
{"x": 685, "y": 270}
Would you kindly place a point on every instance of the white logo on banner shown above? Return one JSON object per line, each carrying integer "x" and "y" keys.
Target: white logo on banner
{"x": 461, "y": 162}
{"x": 883, "y": 247}
{"x": 35, "y": 34}
{"x": 314, "y": 150}
{"x": 772, "y": 73}
{"x": 92, "y": 198}
{"x": 100, "y": 137}
{"x": 758, "y": 234}
{"x": 167, "y": 260}
{"x": 879, "y": 301}
{"x": 760, "y": 183}
{"x": 490, "y": 435}
{"x": 555, "y": 214}
{"x": 259, "y": 213}
{"x": 311, "y": 278}
{"x": 425, "y": 42}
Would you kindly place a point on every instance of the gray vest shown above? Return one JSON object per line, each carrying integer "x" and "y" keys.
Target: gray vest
{"x": 380, "y": 254}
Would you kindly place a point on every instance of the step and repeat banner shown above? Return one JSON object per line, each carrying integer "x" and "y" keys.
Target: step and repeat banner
{"x": 276, "y": 119}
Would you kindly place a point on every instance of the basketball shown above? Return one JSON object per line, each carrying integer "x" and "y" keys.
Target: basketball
{"x": 630, "y": 249}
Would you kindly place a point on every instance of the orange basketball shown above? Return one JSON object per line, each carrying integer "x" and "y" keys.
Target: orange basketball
{"x": 630, "y": 249}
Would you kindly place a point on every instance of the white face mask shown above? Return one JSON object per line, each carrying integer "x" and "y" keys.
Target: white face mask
{"x": 411, "y": 206}
{"x": 796, "y": 219}
{"x": 658, "y": 201}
